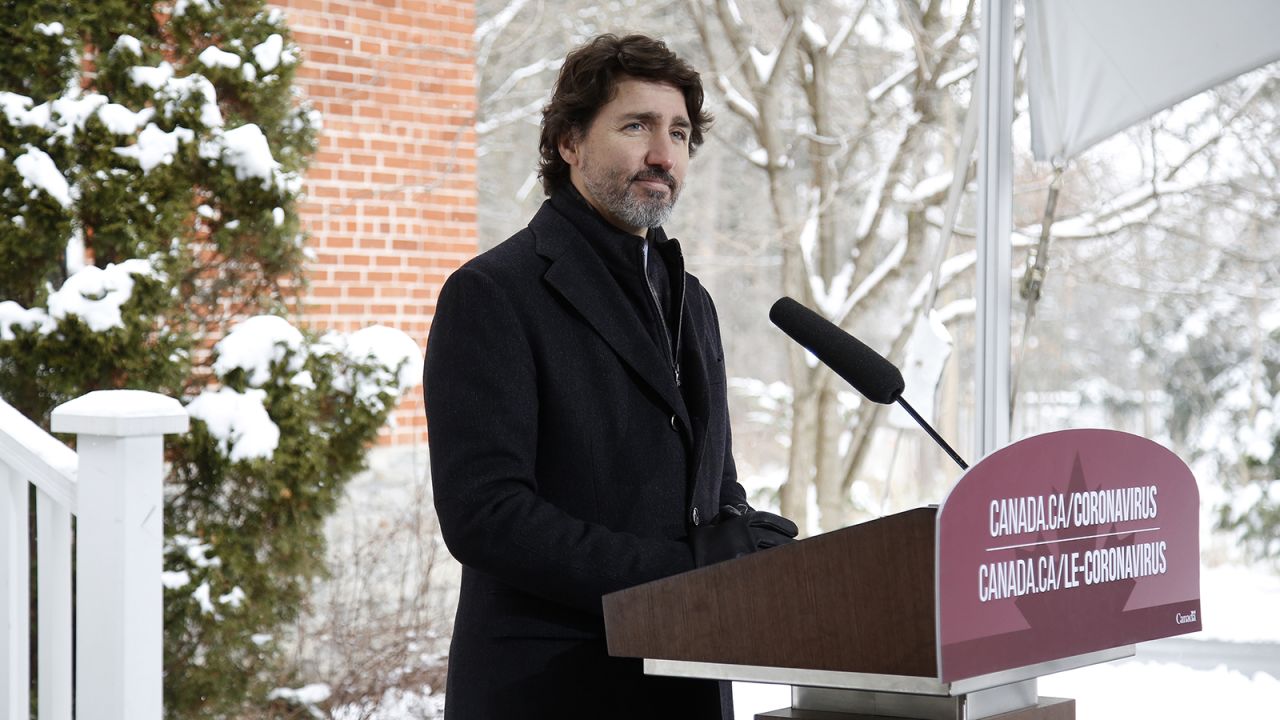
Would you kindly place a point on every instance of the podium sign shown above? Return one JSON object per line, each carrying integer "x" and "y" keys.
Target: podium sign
{"x": 1063, "y": 544}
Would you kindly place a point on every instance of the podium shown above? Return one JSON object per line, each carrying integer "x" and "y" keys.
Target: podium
{"x": 1057, "y": 552}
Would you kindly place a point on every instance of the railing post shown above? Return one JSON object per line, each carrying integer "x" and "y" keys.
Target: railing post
{"x": 119, "y": 549}
{"x": 15, "y": 597}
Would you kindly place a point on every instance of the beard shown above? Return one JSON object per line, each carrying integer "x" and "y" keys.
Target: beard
{"x": 632, "y": 204}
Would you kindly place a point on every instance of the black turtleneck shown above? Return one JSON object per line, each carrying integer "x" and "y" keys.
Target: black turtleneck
{"x": 624, "y": 255}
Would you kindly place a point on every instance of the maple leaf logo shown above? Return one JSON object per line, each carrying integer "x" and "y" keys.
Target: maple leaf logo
{"x": 1057, "y": 609}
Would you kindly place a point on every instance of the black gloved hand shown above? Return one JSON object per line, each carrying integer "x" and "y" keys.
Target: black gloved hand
{"x": 738, "y": 530}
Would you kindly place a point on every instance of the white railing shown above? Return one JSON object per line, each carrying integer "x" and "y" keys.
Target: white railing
{"x": 113, "y": 487}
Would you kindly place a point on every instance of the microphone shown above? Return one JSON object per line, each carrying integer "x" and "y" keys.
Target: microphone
{"x": 860, "y": 366}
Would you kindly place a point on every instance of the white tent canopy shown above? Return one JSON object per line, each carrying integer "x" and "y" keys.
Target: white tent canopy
{"x": 1095, "y": 67}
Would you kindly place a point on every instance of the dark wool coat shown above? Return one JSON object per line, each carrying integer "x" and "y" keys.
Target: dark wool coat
{"x": 567, "y": 464}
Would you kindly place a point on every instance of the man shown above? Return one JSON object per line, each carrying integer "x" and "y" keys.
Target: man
{"x": 575, "y": 393}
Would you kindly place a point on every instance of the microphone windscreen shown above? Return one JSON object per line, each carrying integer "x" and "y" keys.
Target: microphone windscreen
{"x": 863, "y": 368}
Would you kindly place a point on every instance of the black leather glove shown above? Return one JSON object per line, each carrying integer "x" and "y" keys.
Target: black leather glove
{"x": 738, "y": 530}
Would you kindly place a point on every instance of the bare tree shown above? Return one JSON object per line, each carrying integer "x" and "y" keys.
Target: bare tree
{"x": 825, "y": 180}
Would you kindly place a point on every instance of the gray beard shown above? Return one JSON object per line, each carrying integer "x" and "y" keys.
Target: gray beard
{"x": 644, "y": 209}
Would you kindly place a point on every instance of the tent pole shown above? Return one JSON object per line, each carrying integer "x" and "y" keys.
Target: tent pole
{"x": 994, "y": 222}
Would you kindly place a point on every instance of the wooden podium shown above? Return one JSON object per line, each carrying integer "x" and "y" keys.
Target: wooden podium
{"x": 850, "y": 619}
{"x": 846, "y": 618}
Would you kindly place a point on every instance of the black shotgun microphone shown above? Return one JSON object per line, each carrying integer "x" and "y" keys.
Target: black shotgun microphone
{"x": 860, "y": 366}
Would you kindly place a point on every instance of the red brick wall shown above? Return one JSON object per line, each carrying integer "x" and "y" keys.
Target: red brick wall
{"x": 391, "y": 198}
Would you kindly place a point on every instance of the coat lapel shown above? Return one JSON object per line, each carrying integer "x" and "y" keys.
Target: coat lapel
{"x": 581, "y": 278}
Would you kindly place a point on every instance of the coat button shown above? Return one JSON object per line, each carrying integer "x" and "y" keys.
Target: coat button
{"x": 674, "y": 426}
{"x": 696, "y": 519}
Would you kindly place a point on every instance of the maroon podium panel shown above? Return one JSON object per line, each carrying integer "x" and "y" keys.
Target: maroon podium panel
{"x": 1063, "y": 544}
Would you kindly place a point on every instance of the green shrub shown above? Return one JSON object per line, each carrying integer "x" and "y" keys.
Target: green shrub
{"x": 150, "y": 170}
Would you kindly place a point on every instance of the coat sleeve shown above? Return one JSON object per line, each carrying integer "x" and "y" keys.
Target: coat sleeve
{"x": 482, "y": 414}
{"x": 731, "y": 491}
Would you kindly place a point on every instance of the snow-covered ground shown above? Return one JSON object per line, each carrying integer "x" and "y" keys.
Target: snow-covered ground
{"x": 1117, "y": 691}
{"x": 1240, "y": 605}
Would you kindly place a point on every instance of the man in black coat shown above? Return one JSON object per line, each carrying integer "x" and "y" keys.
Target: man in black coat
{"x": 575, "y": 394}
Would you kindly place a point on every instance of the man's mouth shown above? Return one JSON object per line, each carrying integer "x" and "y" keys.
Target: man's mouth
{"x": 656, "y": 182}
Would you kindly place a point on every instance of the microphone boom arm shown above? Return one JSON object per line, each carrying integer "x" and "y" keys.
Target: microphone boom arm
{"x": 932, "y": 433}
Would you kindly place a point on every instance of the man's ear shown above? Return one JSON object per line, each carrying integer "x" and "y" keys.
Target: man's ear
{"x": 568, "y": 147}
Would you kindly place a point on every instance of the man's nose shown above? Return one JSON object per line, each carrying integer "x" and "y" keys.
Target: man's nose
{"x": 661, "y": 153}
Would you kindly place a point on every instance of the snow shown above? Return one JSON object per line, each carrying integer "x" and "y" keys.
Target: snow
{"x": 390, "y": 348}
{"x": 277, "y": 216}
{"x": 235, "y": 598}
{"x": 267, "y": 54}
{"x": 881, "y": 271}
{"x": 735, "y": 99}
{"x": 95, "y": 295}
{"x": 50, "y": 29}
{"x": 19, "y": 113}
{"x": 75, "y": 254}
{"x": 952, "y": 77}
{"x": 215, "y": 57}
{"x": 155, "y": 147}
{"x": 814, "y": 33}
{"x": 152, "y": 77}
{"x": 246, "y": 149}
{"x": 1239, "y": 604}
{"x": 180, "y": 8}
{"x": 249, "y": 72}
{"x": 174, "y": 580}
{"x": 842, "y": 34}
{"x": 261, "y": 639}
{"x": 173, "y": 90}
{"x": 239, "y": 421}
{"x": 1111, "y": 691}
{"x": 1134, "y": 689}
{"x": 926, "y": 188}
{"x": 877, "y": 92}
{"x": 395, "y": 704}
{"x": 196, "y": 551}
{"x": 201, "y": 596}
{"x": 927, "y": 351}
{"x": 73, "y": 111}
{"x": 11, "y": 314}
{"x": 127, "y": 43}
{"x": 831, "y": 297}
{"x": 734, "y": 12}
{"x": 764, "y": 63}
{"x": 256, "y": 344}
{"x": 123, "y": 121}
{"x": 305, "y": 695}
{"x": 40, "y": 447}
{"x": 39, "y": 172}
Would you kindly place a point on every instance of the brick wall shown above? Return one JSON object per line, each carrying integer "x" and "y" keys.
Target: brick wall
{"x": 391, "y": 199}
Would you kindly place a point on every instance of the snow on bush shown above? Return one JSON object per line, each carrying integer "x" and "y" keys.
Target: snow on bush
{"x": 39, "y": 173}
{"x": 376, "y": 365}
{"x": 239, "y": 421}
{"x": 256, "y": 344}
{"x": 95, "y": 295}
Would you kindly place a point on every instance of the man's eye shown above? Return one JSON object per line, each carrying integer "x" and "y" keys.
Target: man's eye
{"x": 634, "y": 126}
{"x": 680, "y": 135}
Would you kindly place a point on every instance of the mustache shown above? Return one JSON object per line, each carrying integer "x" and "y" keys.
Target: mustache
{"x": 661, "y": 176}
